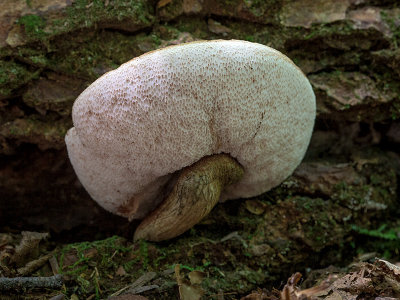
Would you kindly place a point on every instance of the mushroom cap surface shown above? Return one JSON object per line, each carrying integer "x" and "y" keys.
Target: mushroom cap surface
{"x": 162, "y": 111}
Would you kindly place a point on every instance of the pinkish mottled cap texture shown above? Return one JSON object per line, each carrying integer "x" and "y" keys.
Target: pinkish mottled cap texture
{"x": 165, "y": 110}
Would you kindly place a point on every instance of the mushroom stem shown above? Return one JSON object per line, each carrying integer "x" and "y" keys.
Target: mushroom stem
{"x": 195, "y": 193}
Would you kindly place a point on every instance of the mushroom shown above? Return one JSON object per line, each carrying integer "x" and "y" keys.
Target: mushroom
{"x": 170, "y": 133}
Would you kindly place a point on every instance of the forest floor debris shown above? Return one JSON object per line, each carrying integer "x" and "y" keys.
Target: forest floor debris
{"x": 94, "y": 271}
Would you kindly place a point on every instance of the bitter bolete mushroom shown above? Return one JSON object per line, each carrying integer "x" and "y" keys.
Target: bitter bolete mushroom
{"x": 170, "y": 133}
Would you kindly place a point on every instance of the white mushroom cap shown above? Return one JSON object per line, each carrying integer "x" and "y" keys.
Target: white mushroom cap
{"x": 166, "y": 109}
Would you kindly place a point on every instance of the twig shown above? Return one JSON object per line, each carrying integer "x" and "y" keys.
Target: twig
{"x": 22, "y": 283}
{"x": 34, "y": 265}
{"x": 54, "y": 265}
{"x": 235, "y": 235}
{"x": 139, "y": 283}
{"x": 142, "y": 289}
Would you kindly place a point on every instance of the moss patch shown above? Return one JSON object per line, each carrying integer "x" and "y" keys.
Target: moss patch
{"x": 46, "y": 135}
{"x": 14, "y": 75}
{"x": 33, "y": 25}
{"x": 91, "y": 55}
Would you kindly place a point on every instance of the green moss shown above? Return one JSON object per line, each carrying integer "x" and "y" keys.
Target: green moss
{"x": 143, "y": 252}
{"x": 46, "y": 135}
{"x": 33, "y": 25}
{"x": 382, "y": 232}
{"x": 323, "y": 30}
{"x": 85, "y": 13}
{"x": 352, "y": 196}
{"x": 89, "y": 56}
{"x": 33, "y": 56}
{"x": 128, "y": 15}
{"x": 14, "y": 75}
{"x": 95, "y": 262}
{"x": 105, "y": 249}
{"x": 382, "y": 238}
{"x": 319, "y": 226}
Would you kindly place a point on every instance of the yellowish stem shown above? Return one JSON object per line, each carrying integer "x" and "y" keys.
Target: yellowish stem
{"x": 194, "y": 195}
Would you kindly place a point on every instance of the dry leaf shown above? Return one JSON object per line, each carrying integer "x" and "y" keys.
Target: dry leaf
{"x": 163, "y": 3}
{"x": 187, "y": 291}
{"x": 196, "y": 277}
{"x": 120, "y": 271}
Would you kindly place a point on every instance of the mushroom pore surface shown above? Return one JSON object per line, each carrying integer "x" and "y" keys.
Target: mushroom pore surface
{"x": 165, "y": 110}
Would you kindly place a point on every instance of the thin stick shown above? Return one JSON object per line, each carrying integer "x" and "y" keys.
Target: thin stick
{"x": 21, "y": 283}
{"x": 34, "y": 265}
{"x": 140, "y": 282}
{"x": 54, "y": 265}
